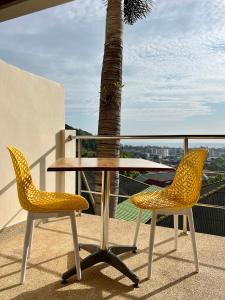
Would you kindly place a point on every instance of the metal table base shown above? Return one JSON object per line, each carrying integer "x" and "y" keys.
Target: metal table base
{"x": 108, "y": 256}
{"x": 103, "y": 253}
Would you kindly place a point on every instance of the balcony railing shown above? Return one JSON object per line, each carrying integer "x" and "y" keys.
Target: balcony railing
{"x": 184, "y": 138}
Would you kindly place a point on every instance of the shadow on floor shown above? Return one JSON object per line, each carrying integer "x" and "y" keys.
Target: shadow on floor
{"x": 94, "y": 287}
{"x": 91, "y": 287}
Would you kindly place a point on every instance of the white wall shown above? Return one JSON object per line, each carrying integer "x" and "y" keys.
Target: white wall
{"x": 31, "y": 116}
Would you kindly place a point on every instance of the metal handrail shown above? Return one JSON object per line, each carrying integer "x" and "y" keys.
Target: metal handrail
{"x": 210, "y": 205}
{"x": 184, "y": 137}
{"x": 143, "y": 137}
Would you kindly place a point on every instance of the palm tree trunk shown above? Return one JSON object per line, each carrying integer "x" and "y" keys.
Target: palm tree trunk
{"x": 110, "y": 95}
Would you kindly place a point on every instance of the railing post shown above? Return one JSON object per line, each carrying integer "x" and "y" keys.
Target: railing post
{"x": 184, "y": 216}
{"x": 79, "y": 173}
{"x": 69, "y": 150}
{"x": 79, "y": 152}
{"x": 185, "y": 145}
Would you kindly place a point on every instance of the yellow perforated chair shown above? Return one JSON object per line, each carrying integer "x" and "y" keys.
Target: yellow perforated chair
{"x": 41, "y": 205}
{"x": 177, "y": 199}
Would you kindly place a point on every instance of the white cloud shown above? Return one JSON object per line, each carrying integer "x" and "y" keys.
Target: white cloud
{"x": 81, "y": 11}
{"x": 174, "y": 61}
{"x": 170, "y": 112}
{"x": 176, "y": 68}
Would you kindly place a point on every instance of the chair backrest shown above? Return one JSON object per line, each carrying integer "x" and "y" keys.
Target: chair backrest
{"x": 188, "y": 179}
{"x": 23, "y": 176}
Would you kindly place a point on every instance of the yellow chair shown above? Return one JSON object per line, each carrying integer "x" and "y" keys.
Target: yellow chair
{"x": 177, "y": 199}
{"x": 41, "y": 205}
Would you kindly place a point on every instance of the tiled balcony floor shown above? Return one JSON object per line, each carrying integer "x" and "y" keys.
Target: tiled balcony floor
{"x": 173, "y": 272}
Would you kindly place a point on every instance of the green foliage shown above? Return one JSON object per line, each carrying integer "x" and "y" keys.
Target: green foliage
{"x": 118, "y": 85}
{"x": 136, "y": 9}
{"x": 104, "y": 93}
{"x": 110, "y": 93}
{"x": 214, "y": 179}
{"x": 131, "y": 174}
{"x": 88, "y": 146}
{"x": 218, "y": 164}
{"x": 126, "y": 154}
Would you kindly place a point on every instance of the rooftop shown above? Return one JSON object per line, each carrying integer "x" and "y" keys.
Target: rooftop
{"x": 173, "y": 272}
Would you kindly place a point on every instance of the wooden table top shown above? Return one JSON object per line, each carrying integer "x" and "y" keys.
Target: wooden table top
{"x": 107, "y": 164}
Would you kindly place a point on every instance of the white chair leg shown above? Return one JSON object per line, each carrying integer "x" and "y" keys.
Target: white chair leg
{"x": 192, "y": 231}
{"x": 175, "y": 221}
{"x": 30, "y": 239}
{"x": 76, "y": 245}
{"x": 137, "y": 227}
{"x": 185, "y": 225}
{"x": 151, "y": 243}
{"x": 25, "y": 247}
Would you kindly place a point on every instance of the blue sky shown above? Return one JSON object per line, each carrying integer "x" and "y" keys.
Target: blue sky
{"x": 174, "y": 63}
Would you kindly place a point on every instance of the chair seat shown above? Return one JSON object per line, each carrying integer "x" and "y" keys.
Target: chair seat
{"x": 164, "y": 199}
{"x": 41, "y": 201}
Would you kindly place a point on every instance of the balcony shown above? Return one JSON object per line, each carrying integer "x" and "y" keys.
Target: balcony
{"x": 173, "y": 271}
{"x": 52, "y": 254}
{"x": 30, "y": 122}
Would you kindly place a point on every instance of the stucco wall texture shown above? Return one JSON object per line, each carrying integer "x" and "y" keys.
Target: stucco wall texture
{"x": 31, "y": 117}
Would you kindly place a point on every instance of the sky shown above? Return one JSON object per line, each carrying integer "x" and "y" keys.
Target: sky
{"x": 173, "y": 71}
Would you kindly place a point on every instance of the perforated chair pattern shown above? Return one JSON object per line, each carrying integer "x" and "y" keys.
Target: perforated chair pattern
{"x": 177, "y": 199}
{"x": 35, "y": 200}
{"x": 42, "y": 205}
{"x": 185, "y": 189}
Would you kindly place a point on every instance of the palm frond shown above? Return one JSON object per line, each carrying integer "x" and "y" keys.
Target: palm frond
{"x": 136, "y": 9}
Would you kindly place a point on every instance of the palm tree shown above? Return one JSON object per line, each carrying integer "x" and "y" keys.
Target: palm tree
{"x": 118, "y": 11}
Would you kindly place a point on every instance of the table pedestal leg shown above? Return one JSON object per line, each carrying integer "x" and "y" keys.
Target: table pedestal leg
{"x": 105, "y": 209}
{"x": 104, "y": 253}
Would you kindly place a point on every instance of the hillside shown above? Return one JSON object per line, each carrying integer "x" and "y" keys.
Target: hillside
{"x": 88, "y": 147}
